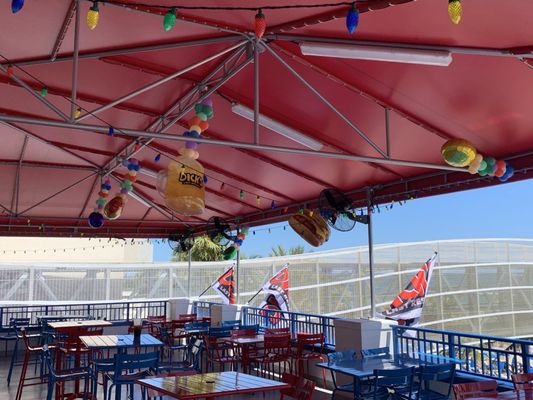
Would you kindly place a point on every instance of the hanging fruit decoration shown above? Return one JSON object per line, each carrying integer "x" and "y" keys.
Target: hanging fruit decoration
{"x": 231, "y": 251}
{"x": 182, "y": 184}
{"x": 115, "y": 206}
{"x": 96, "y": 218}
{"x": 461, "y": 153}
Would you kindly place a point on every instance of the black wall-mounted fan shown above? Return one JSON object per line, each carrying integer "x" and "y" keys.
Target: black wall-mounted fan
{"x": 336, "y": 208}
{"x": 219, "y": 231}
{"x": 181, "y": 241}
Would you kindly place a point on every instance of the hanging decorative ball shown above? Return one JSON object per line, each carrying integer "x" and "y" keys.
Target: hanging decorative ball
{"x": 16, "y": 6}
{"x": 169, "y": 20}
{"x": 352, "y": 19}
{"x": 455, "y": 10}
{"x": 96, "y": 220}
{"x": 458, "y": 152}
{"x": 93, "y": 15}
{"x": 44, "y": 91}
{"x": 260, "y": 24}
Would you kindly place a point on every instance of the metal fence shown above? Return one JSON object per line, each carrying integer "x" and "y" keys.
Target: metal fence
{"x": 487, "y": 356}
{"x": 479, "y": 286}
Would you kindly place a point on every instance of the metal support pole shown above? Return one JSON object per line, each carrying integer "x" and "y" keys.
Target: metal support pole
{"x": 387, "y": 131}
{"x": 369, "y": 195}
{"x": 256, "y": 91}
{"x": 237, "y": 274}
{"x": 75, "y": 63}
{"x": 38, "y": 96}
{"x": 326, "y": 101}
{"x": 189, "y": 274}
{"x": 236, "y": 145}
{"x": 158, "y": 82}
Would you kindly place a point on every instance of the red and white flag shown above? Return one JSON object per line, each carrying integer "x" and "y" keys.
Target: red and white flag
{"x": 277, "y": 291}
{"x": 225, "y": 286}
{"x": 407, "y": 307}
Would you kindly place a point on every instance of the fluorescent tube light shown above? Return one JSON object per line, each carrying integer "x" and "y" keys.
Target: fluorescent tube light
{"x": 377, "y": 53}
{"x": 277, "y": 127}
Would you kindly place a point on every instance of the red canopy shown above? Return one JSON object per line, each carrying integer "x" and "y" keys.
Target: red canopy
{"x": 50, "y": 169}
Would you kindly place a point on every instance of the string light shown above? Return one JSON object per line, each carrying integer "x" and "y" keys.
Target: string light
{"x": 157, "y": 157}
{"x": 455, "y": 10}
{"x": 241, "y": 194}
{"x": 16, "y": 6}
{"x": 10, "y": 71}
{"x": 222, "y": 186}
{"x": 352, "y": 19}
{"x": 93, "y": 15}
{"x": 44, "y": 91}
{"x": 273, "y": 204}
{"x": 260, "y": 24}
{"x": 169, "y": 20}
{"x": 77, "y": 113}
{"x": 258, "y": 200}
{"x": 111, "y": 131}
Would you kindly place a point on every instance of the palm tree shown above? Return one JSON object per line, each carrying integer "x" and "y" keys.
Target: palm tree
{"x": 279, "y": 250}
{"x": 203, "y": 249}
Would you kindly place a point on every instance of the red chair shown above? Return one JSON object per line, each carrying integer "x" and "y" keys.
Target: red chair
{"x": 523, "y": 381}
{"x": 276, "y": 350}
{"x": 475, "y": 389}
{"x": 236, "y": 333}
{"x": 301, "y": 388}
{"x": 28, "y": 352}
{"x": 187, "y": 317}
{"x": 154, "y": 322}
{"x": 310, "y": 346}
{"x": 276, "y": 331}
{"x": 217, "y": 353}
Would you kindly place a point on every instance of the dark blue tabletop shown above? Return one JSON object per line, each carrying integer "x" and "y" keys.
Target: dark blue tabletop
{"x": 365, "y": 367}
{"x": 118, "y": 341}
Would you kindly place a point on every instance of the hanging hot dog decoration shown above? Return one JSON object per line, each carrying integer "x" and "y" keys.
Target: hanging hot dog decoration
{"x": 182, "y": 184}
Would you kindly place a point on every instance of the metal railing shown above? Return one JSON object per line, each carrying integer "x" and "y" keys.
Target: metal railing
{"x": 296, "y": 322}
{"x": 487, "y": 356}
{"x": 111, "y": 311}
{"x": 202, "y": 308}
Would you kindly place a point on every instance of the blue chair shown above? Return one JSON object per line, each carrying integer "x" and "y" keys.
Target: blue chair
{"x": 168, "y": 340}
{"x": 375, "y": 353}
{"x": 101, "y": 366}
{"x": 130, "y": 367}
{"x": 220, "y": 331}
{"x": 337, "y": 357}
{"x": 198, "y": 325}
{"x": 193, "y": 361}
{"x": 62, "y": 376}
{"x": 395, "y": 383}
{"x": 433, "y": 373}
{"x": 233, "y": 324}
{"x": 254, "y": 327}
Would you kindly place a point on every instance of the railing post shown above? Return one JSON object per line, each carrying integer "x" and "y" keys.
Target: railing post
{"x": 292, "y": 318}
{"x": 395, "y": 343}
{"x": 525, "y": 357}
{"x": 107, "y": 284}
{"x": 451, "y": 345}
{"x": 244, "y": 316}
{"x": 128, "y": 312}
{"x": 31, "y": 284}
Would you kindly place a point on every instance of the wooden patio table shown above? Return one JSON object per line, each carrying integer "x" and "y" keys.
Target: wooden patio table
{"x": 522, "y": 394}
{"x": 210, "y": 385}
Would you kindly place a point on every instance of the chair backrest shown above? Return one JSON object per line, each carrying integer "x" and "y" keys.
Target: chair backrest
{"x": 254, "y": 327}
{"x": 196, "y": 325}
{"x": 17, "y": 323}
{"x": 312, "y": 341}
{"x": 523, "y": 381}
{"x": 220, "y": 331}
{"x": 278, "y": 344}
{"x": 475, "y": 389}
{"x": 136, "y": 362}
{"x": 25, "y": 339}
{"x": 234, "y": 323}
{"x": 276, "y": 331}
{"x": 442, "y": 373}
{"x": 188, "y": 317}
{"x": 301, "y": 388}
{"x": 341, "y": 356}
{"x": 235, "y": 333}
{"x": 401, "y": 378}
{"x": 377, "y": 352}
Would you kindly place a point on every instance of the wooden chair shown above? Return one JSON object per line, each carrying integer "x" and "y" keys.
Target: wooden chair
{"x": 301, "y": 388}
{"x": 475, "y": 389}
{"x": 523, "y": 381}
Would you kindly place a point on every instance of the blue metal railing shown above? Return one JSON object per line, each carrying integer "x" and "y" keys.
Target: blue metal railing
{"x": 202, "y": 308}
{"x": 487, "y": 356}
{"x": 296, "y": 322}
{"x": 111, "y": 311}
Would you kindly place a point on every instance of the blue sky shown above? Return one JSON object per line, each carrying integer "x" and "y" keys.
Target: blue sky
{"x": 502, "y": 210}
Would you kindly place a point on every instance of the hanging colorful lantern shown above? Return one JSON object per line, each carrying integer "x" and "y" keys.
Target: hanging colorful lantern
{"x": 458, "y": 152}
{"x": 96, "y": 218}
{"x": 182, "y": 184}
{"x": 352, "y": 19}
{"x": 93, "y": 16}
{"x": 455, "y": 10}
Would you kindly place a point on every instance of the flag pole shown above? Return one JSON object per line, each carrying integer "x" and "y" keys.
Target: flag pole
{"x": 209, "y": 287}
{"x": 254, "y": 296}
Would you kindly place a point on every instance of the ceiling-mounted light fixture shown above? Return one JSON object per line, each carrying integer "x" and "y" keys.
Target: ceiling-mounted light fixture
{"x": 377, "y": 53}
{"x": 277, "y": 127}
